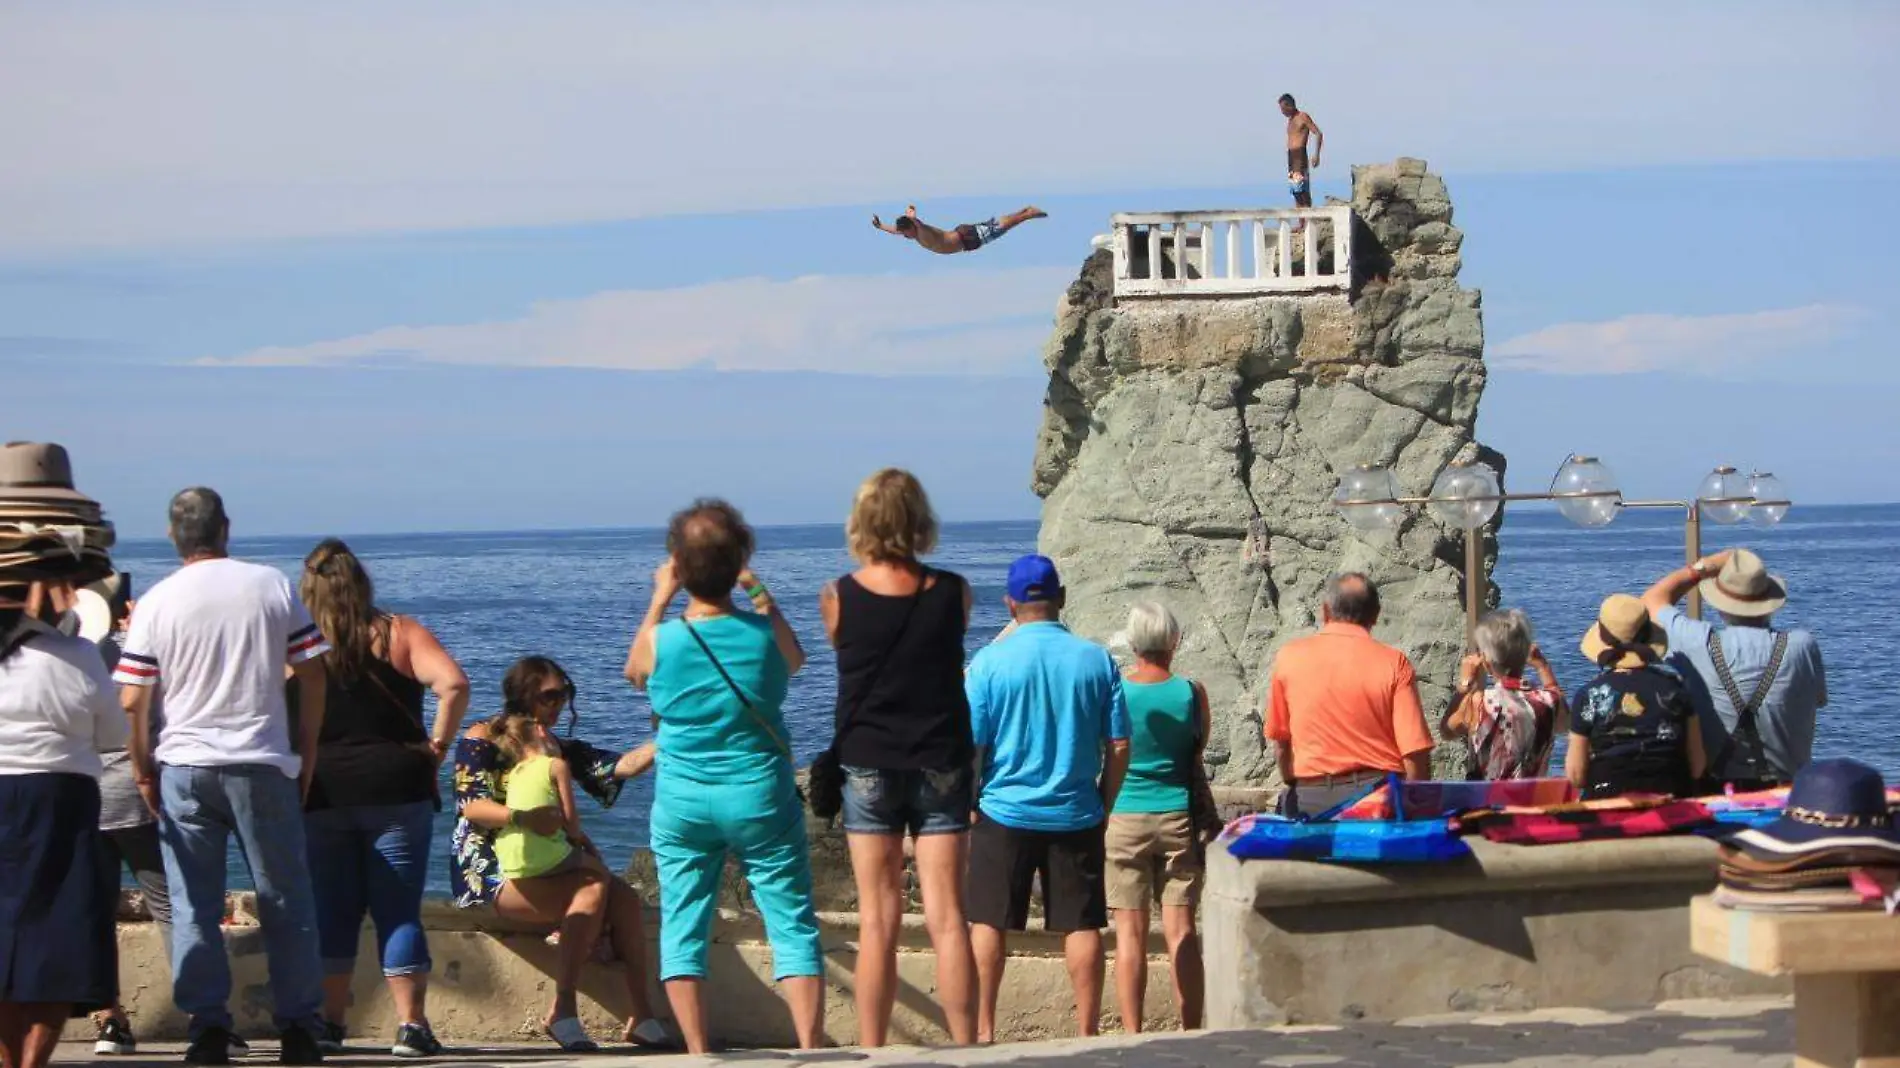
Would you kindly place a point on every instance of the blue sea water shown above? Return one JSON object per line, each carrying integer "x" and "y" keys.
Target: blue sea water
{"x": 577, "y": 596}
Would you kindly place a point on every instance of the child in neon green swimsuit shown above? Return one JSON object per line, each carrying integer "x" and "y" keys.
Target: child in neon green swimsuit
{"x": 538, "y": 779}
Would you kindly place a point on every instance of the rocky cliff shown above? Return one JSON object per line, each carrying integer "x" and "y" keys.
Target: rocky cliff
{"x": 1190, "y": 448}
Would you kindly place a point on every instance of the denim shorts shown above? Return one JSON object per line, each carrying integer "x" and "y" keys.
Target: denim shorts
{"x": 903, "y": 801}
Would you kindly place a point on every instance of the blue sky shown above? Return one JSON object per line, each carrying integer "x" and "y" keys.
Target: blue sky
{"x": 473, "y": 265}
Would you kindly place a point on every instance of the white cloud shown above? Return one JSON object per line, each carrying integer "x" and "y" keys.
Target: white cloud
{"x": 194, "y": 120}
{"x": 1698, "y": 344}
{"x": 957, "y": 322}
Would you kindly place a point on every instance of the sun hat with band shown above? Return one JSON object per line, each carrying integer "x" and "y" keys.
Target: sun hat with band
{"x": 1624, "y": 636}
{"x": 1834, "y": 804}
{"x": 1744, "y": 587}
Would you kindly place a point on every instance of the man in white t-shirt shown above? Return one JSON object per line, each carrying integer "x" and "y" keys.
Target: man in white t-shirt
{"x": 215, "y": 638}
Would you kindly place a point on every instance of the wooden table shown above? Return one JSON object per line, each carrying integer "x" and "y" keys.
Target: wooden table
{"x": 1846, "y": 969}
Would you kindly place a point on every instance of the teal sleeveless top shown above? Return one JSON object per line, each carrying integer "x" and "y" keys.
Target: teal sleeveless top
{"x": 706, "y": 735}
{"x": 1161, "y": 743}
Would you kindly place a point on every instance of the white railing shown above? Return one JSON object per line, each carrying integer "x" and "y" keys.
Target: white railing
{"x": 1210, "y": 253}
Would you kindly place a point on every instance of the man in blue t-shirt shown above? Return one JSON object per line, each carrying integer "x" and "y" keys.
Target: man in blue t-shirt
{"x": 1757, "y": 689}
{"x": 1051, "y": 733}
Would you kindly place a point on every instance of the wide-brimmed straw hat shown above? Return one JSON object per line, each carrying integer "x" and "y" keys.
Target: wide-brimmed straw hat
{"x": 1834, "y": 804}
{"x": 1744, "y": 587}
{"x": 1624, "y": 624}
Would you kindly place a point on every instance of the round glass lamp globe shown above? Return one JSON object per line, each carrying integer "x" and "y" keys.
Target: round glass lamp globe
{"x": 1724, "y": 496}
{"x": 1771, "y": 499}
{"x": 1586, "y": 492}
{"x": 1465, "y": 496}
{"x": 1367, "y": 499}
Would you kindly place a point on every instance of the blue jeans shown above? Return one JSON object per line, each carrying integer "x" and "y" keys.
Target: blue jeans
{"x": 694, "y": 826}
{"x": 374, "y": 859}
{"x": 878, "y": 801}
{"x": 204, "y": 807}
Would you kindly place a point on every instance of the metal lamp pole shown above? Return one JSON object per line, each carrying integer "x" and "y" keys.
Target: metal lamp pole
{"x": 1468, "y": 496}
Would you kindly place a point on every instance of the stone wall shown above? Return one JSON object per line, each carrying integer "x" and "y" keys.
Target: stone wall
{"x": 1175, "y": 428}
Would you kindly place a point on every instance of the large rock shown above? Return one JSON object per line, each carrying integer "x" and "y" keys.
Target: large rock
{"x": 1175, "y": 427}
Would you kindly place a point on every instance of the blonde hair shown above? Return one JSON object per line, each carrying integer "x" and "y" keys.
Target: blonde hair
{"x": 891, "y": 519}
{"x": 342, "y": 603}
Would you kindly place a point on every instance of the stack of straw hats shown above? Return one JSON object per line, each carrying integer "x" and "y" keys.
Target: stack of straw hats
{"x": 49, "y": 531}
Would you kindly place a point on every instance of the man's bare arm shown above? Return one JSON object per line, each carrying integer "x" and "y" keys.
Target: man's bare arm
{"x": 1319, "y": 140}
{"x": 880, "y": 224}
{"x": 137, "y": 702}
{"x": 1676, "y": 585}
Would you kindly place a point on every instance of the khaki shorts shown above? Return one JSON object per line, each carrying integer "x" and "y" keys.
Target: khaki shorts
{"x": 1152, "y": 855}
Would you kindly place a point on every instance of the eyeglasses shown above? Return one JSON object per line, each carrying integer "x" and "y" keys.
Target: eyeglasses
{"x": 558, "y": 696}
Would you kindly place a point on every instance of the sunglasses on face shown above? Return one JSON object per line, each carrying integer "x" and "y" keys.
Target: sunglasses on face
{"x": 558, "y": 695}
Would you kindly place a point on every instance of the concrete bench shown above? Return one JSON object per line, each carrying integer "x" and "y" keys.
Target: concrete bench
{"x": 1846, "y": 969}
{"x": 1512, "y": 928}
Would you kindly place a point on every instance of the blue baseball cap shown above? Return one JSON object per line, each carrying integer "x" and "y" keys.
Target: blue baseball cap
{"x": 1033, "y": 578}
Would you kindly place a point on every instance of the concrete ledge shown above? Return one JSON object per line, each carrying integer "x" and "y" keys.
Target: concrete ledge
{"x": 492, "y": 984}
{"x": 1515, "y": 928}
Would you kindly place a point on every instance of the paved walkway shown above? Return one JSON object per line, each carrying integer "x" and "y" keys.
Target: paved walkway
{"x": 1753, "y": 1034}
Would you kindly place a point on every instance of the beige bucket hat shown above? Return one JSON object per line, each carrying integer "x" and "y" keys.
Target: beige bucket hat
{"x": 1623, "y": 623}
{"x": 1744, "y": 587}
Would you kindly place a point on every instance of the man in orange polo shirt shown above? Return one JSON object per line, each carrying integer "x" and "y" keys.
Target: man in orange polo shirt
{"x": 1343, "y": 708}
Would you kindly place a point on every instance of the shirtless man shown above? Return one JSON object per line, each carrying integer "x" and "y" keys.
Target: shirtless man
{"x": 1299, "y": 127}
{"x": 965, "y": 238}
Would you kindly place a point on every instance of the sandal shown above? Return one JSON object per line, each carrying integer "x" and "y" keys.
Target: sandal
{"x": 568, "y": 1034}
{"x": 649, "y": 1034}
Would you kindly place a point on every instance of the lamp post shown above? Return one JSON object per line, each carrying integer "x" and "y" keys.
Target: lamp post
{"x": 1584, "y": 490}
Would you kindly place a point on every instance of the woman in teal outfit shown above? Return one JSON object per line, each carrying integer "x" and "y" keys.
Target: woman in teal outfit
{"x": 1152, "y": 852}
{"x": 717, "y": 678}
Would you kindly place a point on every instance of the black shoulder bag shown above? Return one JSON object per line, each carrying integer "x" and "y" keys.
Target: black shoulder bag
{"x": 1745, "y": 730}
{"x": 751, "y": 710}
{"x": 1203, "y": 810}
{"x": 827, "y": 772}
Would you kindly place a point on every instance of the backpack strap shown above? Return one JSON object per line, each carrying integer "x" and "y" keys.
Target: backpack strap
{"x": 1745, "y": 710}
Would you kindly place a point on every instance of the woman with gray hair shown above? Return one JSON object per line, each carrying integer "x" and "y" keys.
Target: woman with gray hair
{"x": 1152, "y": 850}
{"x": 1508, "y": 726}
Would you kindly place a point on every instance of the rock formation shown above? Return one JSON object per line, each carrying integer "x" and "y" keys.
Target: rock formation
{"x": 1178, "y": 430}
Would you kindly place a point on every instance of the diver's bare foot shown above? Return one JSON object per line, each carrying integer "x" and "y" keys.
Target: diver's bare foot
{"x": 911, "y": 211}
{"x": 1033, "y": 213}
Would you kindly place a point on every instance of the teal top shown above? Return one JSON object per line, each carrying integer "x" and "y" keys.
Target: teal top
{"x": 1161, "y": 744}
{"x": 706, "y": 734}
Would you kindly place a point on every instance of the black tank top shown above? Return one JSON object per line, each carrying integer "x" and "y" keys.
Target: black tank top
{"x": 900, "y": 683}
{"x": 371, "y": 750}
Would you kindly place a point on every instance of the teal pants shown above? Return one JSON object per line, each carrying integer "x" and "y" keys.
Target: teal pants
{"x": 694, "y": 826}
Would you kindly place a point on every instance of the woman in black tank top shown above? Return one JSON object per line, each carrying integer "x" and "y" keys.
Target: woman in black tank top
{"x": 374, "y": 796}
{"x": 903, "y": 739}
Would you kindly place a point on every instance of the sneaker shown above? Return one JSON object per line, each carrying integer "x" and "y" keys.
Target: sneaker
{"x": 239, "y": 1047}
{"x": 416, "y": 1040}
{"x": 212, "y": 1046}
{"x": 300, "y": 1047}
{"x": 115, "y": 1039}
{"x": 330, "y": 1037}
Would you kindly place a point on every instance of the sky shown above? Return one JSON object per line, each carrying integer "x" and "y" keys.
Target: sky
{"x": 429, "y": 266}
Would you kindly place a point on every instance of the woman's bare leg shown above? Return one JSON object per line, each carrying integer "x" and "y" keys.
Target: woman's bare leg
{"x": 878, "y": 862}
{"x": 626, "y": 928}
{"x": 1131, "y": 965}
{"x": 411, "y": 996}
{"x": 689, "y": 1013}
{"x": 39, "y": 1028}
{"x": 576, "y": 901}
{"x": 805, "y": 994}
{"x": 12, "y": 1035}
{"x": 941, "y": 859}
{"x": 1184, "y": 951}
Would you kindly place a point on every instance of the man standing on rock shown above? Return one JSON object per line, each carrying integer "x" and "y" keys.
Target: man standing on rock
{"x": 1051, "y": 733}
{"x": 1343, "y": 710}
{"x": 1299, "y": 170}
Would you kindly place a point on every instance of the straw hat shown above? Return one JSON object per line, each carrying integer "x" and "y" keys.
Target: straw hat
{"x": 1623, "y": 623}
{"x": 36, "y": 472}
{"x": 1744, "y": 587}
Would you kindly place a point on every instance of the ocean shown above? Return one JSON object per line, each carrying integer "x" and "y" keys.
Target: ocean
{"x": 578, "y": 595}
